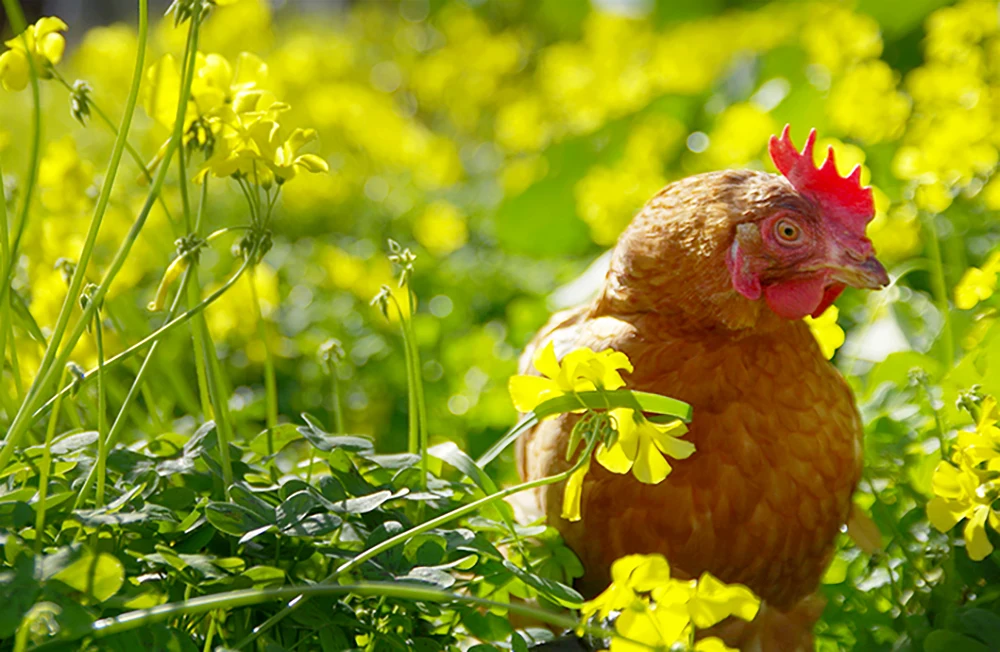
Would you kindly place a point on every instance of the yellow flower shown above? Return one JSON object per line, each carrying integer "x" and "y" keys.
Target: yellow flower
{"x": 287, "y": 161}
{"x": 642, "y": 446}
{"x": 828, "y": 333}
{"x": 581, "y": 370}
{"x": 44, "y": 44}
{"x": 215, "y": 86}
{"x": 659, "y": 611}
{"x": 982, "y": 444}
{"x": 573, "y": 493}
{"x": 962, "y": 493}
{"x": 977, "y": 284}
{"x": 710, "y": 601}
{"x": 630, "y": 575}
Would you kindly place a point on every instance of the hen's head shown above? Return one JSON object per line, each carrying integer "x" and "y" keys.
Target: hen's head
{"x": 719, "y": 247}
{"x": 800, "y": 254}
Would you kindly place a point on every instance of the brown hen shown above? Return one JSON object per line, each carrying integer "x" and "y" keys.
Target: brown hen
{"x": 705, "y": 294}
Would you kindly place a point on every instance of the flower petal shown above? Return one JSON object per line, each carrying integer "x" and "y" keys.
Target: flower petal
{"x": 977, "y": 542}
{"x": 526, "y": 392}
{"x": 945, "y": 514}
{"x": 650, "y": 467}
{"x": 14, "y": 72}
{"x": 573, "y": 493}
{"x": 545, "y": 360}
{"x": 714, "y": 601}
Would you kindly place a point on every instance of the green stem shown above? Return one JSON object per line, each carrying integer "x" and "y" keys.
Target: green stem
{"x": 43, "y": 475}
{"x": 52, "y": 359}
{"x": 940, "y": 290}
{"x": 220, "y": 403}
{"x": 249, "y": 597}
{"x": 153, "y": 337}
{"x": 338, "y": 412}
{"x": 403, "y": 537}
{"x": 102, "y": 439}
{"x": 270, "y": 381}
{"x": 6, "y": 323}
{"x": 196, "y": 334}
{"x": 418, "y": 384}
{"x": 10, "y": 254}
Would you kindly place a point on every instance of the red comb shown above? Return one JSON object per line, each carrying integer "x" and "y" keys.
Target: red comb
{"x": 841, "y": 199}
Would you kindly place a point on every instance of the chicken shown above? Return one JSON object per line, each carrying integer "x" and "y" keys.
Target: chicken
{"x": 706, "y": 293}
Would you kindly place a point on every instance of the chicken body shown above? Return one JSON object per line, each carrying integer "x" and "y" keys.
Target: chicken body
{"x": 778, "y": 437}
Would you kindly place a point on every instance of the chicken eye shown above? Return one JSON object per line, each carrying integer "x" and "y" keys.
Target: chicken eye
{"x": 788, "y": 231}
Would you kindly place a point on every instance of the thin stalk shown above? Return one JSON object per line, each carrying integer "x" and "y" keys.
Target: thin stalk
{"x": 270, "y": 381}
{"x": 210, "y": 635}
{"x": 248, "y": 597}
{"x": 10, "y": 254}
{"x": 338, "y": 412}
{"x": 418, "y": 384}
{"x": 153, "y": 337}
{"x": 102, "y": 416}
{"x": 196, "y": 335}
{"x": 6, "y": 323}
{"x": 940, "y": 290}
{"x": 43, "y": 474}
{"x": 52, "y": 358}
{"x": 413, "y": 440}
{"x": 220, "y": 404}
{"x": 405, "y": 536}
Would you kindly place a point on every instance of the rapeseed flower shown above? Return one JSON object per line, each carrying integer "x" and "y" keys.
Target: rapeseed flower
{"x": 654, "y": 609}
{"x": 966, "y": 487}
{"x": 45, "y": 46}
{"x": 977, "y": 284}
{"x": 642, "y": 446}
{"x": 828, "y": 333}
{"x": 581, "y": 370}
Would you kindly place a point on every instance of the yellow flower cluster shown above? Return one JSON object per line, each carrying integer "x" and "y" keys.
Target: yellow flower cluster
{"x": 966, "y": 487}
{"x": 641, "y": 446}
{"x": 655, "y": 610}
{"x": 864, "y": 101}
{"x": 608, "y": 196}
{"x": 233, "y": 118}
{"x": 978, "y": 283}
{"x": 44, "y": 47}
{"x": 951, "y": 136}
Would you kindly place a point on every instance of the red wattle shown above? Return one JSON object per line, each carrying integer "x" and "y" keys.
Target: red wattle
{"x": 829, "y": 296}
{"x": 796, "y": 299}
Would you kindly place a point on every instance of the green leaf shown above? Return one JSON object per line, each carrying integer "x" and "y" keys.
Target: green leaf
{"x": 485, "y": 626}
{"x": 15, "y": 514}
{"x": 429, "y": 575}
{"x": 98, "y": 577}
{"x": 264, "y": 577}
{"x": 449, "y": 452}
{"x": 942, "y": 640}
{"x": 556, "y": 591}
{"x": 365, "y": 504}
{"x": 232, "y": 519}
{"x": 980, "y": 623}
{"x": 326, "y": 442}
{"x": 24, "y": 318}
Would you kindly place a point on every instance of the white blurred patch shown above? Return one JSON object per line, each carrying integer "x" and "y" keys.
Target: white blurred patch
{"x": 584, "y": 287}
{"x": 630, "y": 8}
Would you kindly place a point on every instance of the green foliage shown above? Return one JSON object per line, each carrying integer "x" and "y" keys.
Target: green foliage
{"x": 505, "y": 144}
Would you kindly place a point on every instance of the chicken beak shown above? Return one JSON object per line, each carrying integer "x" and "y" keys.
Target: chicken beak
{"x": 867, "y": 274}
